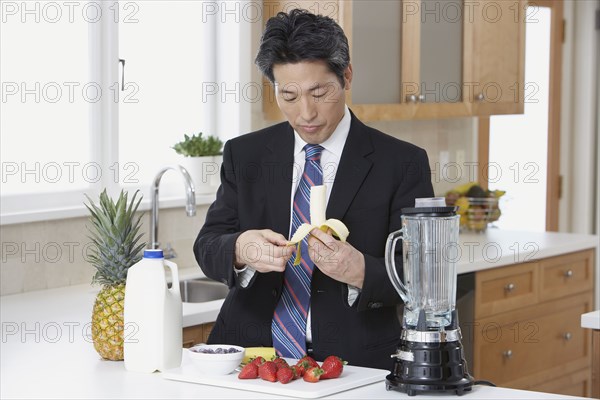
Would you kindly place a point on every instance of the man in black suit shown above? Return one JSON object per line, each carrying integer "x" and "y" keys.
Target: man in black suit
{"x": 370, "y": 177}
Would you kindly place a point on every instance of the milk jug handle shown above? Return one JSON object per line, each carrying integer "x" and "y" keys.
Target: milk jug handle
{"x": 390, "y": 263}
{"x": 174, "y": 275}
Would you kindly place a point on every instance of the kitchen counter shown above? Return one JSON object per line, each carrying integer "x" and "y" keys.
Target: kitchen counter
{"x": 591, "y": 320}
{"x": 46, "y": 349}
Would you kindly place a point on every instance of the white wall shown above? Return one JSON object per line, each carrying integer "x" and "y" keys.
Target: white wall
{"x": 579, "y": 144}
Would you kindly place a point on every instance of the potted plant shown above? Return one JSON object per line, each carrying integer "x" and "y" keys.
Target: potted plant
{"x": 202, "y": 159}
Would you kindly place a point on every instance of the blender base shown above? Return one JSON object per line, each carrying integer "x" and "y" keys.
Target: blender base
{"x": 459, "y": 388}
{"x": 434, "y": 367}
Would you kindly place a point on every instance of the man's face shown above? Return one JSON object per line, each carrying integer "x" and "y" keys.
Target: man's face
{"x": 311, "y": 98}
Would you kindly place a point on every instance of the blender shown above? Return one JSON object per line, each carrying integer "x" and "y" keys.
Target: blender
{"x": 430, "y": 355}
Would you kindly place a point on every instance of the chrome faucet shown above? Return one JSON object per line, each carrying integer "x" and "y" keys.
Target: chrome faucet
{"x": 190, "y": 206}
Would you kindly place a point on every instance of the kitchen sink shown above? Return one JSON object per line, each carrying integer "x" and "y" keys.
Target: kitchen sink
{"x": 201, "y": 290}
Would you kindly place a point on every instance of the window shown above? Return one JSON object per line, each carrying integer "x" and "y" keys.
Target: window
{"x": 70, "y": 125}
{"x": 519, "y": 143}
{"x": 46, "y": 99}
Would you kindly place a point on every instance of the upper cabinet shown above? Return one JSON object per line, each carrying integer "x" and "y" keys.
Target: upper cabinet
{"x": 429, "y": 58}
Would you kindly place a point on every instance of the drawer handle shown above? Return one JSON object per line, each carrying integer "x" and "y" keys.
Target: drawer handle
{"x": 569, "y": 273}
{"x": 510, "y": 287}
{"x": 567, "y": 336}
{"x": 507, "y": 354}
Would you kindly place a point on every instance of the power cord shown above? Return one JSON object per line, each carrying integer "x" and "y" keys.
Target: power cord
{"x": 486, "y": 383}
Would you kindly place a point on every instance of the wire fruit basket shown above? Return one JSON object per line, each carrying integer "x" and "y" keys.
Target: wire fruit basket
{"x": 476, "y": 213}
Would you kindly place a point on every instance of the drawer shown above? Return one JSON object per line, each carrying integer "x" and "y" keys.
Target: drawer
{"x": 566, "y": 275}
{"x": 504, "y": 289}
{"x": 509, "y": 351}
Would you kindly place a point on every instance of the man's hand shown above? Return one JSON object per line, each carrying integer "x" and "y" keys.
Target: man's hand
{"x": 264, "y": 250}
{"x": 338, "y": 260}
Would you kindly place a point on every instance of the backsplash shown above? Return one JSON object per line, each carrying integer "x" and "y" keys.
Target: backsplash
{"x": 49, "y": 254}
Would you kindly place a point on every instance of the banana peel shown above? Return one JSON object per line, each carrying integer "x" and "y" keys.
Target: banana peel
{"x": 317, "y": 218}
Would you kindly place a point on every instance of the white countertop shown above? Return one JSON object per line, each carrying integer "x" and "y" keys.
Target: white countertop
{"x": 497, "y": 248}
{"x": 46, "y": 350}
{"x": 591, "y": 320}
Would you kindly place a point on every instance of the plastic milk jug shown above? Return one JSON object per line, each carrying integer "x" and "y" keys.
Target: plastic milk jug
{"x": 152, "y": 315}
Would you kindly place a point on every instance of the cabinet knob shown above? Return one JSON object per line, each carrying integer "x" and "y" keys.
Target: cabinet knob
{"x": 507, "y": 354}
{"x": 569, "y": 273}
{"x": 567, "y": 336}
{"x": 510, "y": 287}
{"x": 422, "y": 98}
{"x": 480, "y": 97}
{"x": 411, "y": 98}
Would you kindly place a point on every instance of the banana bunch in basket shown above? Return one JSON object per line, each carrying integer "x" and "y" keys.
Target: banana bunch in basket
{"x": 476, "y": 206}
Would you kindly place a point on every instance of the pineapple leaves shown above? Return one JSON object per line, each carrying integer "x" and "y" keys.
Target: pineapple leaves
{"x": 115, "y": 234}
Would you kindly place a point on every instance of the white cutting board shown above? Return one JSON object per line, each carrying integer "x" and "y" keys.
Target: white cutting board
{"x": 352, "y": 377}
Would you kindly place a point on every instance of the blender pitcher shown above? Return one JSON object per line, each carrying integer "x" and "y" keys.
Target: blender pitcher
{"x": 430, "y": 243}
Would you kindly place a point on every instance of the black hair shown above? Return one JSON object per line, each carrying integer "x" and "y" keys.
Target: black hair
{"x": 302, "y": 36}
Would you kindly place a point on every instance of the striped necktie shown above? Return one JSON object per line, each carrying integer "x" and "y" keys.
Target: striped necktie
{"x": 289, "y": 320}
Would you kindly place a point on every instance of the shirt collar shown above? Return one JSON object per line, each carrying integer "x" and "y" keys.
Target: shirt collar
{"x": 335, "y": 143}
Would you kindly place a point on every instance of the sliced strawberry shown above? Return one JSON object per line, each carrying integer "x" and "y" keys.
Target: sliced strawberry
{"x": 333, "y": 367}
{"x": 268, "y": 371}
{"x": 285, "y": 374}
{"x": 250, "y": 371}
{"x": 313, "y": 374}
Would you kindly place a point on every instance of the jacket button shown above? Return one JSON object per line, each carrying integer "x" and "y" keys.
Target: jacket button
{"x": 274, "y": 292}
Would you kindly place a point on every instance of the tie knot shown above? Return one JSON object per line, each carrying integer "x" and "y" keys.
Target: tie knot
{"x": 313, "y": 152}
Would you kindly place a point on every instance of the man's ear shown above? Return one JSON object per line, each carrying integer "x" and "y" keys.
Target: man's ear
{"x": 348, "y": 77}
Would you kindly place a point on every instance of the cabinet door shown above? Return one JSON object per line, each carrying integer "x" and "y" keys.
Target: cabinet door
{"x": 416, "y": 70}
{"x": 495, "y": 51}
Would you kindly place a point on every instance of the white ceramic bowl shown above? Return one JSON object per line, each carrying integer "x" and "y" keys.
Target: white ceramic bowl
{"x": 216, "y": 363}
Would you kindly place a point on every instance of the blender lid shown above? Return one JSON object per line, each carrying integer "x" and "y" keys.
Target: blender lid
{"x": 430, "y": 207}
{"x": 431, "y": 211}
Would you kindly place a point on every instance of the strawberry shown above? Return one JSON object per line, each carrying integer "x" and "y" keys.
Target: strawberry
{"x": 333, "y": 367}
{"x": 250, "y": 371}
{"x": 268, "y": 371}
{"x": 258, "y": 360}
{"x": 285, "y": 374}
{"x": 296, "y": 372}
{"x": 301, "y": 367}
{"x": 280, "y": 362}
{"x": 313, "y": 374}
{"x": 311, "y": 361}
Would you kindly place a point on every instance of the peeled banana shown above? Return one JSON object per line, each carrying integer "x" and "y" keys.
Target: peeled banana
{"x": 318, "y": 200}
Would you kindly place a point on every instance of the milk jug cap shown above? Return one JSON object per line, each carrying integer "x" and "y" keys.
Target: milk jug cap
{"x": 153, "y": 253}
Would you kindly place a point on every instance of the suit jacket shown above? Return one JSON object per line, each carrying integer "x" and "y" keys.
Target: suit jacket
{"x": 377, "y": 176}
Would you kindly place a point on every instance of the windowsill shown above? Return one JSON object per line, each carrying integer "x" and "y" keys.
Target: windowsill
{"x": 82, "y": 211}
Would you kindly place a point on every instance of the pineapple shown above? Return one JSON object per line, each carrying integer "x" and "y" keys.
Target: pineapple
{"x": 117, "y": 247}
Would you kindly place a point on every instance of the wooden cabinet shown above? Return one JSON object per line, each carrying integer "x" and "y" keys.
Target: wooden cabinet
{"x": 427, "y": 58}
{"x": 193, "y": 335}
{"x": 527, "y": 330}
{"x": 495, "y": 55}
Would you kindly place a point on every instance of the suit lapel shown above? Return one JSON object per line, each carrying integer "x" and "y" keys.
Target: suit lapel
{"x": 352, "y": 170}
{"x": 277, "y": 172}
